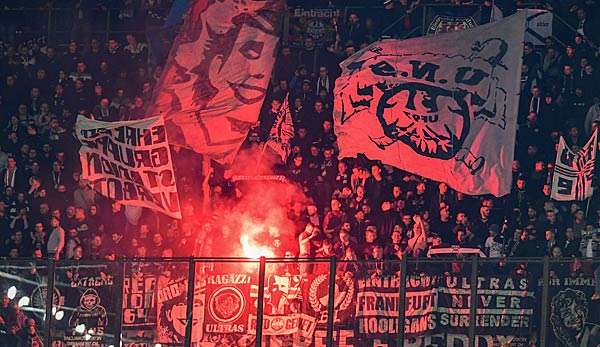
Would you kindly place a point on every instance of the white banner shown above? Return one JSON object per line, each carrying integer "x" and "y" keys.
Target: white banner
{"x": 573, "y": 172}
{"x": 129, "y": 162}
{"x": 538, "y": 26}
{"x": 443, "y": 107}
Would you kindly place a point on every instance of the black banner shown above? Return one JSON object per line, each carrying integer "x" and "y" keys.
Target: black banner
{"x": 447, "y": 18}
{"x": 89, "y": 305}
{"x": 139, "y": 307}
{"x": 574, "y": 319}
{"x": 366, "y": 306}
{"x": 441, "y": 304}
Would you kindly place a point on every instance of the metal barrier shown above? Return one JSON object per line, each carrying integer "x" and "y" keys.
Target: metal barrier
{"x": 304, "y": 302}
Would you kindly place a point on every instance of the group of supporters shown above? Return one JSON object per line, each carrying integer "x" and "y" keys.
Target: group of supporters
{"x": 352, "y": 208}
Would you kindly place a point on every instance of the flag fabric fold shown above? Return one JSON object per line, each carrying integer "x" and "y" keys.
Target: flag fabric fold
{"x": 129, "y": 162}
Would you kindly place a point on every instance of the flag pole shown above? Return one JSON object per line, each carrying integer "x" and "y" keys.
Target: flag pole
{"x": 260, "y": 157}
{"x": 206, "y": 172}
{"x": 595, "y": 149}
{"x": 587, "y": 208}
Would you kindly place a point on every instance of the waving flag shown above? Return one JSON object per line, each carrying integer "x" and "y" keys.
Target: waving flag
{"x": 216, "y": 77}
{"x": 573, "y": 172}
{"x": 443, "y": 107}
{"x": 282, "y": 131}
{"x": 129, "y": 162}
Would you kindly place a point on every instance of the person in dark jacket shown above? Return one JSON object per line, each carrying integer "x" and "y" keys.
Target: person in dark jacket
{"x": 570, "y": 246}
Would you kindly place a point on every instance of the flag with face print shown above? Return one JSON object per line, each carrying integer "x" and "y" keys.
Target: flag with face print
{"x": 216, "y": 77}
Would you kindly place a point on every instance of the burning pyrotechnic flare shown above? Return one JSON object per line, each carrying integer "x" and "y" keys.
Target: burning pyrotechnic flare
{"x": 252, "y": 232}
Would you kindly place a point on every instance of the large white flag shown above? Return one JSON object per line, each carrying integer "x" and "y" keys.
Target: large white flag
{"x": 443, "y": 107}
{"x": 573, "y": 172}
{"x": 129, "y": 162}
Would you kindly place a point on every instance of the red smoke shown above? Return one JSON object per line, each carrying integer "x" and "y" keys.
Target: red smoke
{"x": 257, "y": 219}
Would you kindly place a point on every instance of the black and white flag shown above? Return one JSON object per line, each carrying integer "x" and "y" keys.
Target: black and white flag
{"x": 129, "y": 162}
{"x": 282, "y": 132}
{"x": 443, "y": 107}
{"x": 573, "y": 172}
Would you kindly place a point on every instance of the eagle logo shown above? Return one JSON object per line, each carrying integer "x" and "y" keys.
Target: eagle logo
{"x": 428, "y": 101}
{"x": 432, "y": 120}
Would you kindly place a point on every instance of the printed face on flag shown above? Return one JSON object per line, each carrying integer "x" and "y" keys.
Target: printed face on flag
{"x": 217, "y": 74}
{"x": 241, "y": 72}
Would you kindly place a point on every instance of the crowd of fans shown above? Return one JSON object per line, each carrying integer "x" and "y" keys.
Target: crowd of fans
{"x": 356, "y": 209}
{"x": 360, "y": 209}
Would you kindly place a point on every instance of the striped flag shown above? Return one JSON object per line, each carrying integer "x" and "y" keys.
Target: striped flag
{"x": 282, "y": 132}
{"x": 573, "y": 172}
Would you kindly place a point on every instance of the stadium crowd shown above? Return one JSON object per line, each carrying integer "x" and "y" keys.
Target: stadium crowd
{"x": 356, "y": 208}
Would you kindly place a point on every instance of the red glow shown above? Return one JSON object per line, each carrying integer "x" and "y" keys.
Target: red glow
{"x": 251, "y": 233}
{"x": 256, "y": 223}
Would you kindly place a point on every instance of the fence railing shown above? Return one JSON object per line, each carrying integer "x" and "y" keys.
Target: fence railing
{"x": 302, "y": 302}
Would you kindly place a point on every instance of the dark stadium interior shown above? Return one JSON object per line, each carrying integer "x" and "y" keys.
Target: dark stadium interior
{"x": 311, "y": 212}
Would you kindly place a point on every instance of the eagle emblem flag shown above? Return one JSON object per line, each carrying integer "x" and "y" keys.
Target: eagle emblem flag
{"x": 443, "y": 107}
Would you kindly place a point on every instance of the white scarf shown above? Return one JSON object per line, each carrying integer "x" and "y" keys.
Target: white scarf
{"x": 323, "y": 81}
